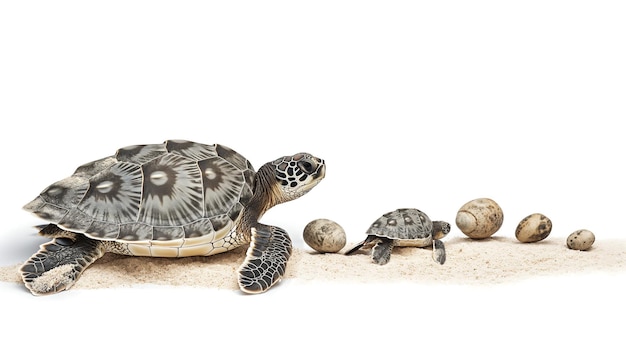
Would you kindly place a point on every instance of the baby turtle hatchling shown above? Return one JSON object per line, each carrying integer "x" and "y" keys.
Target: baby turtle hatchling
{"x": 174, "y": 199}
{"x": 404, "y": 227}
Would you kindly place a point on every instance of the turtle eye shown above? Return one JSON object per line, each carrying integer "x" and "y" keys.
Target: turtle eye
{"x": 306, "y": 166}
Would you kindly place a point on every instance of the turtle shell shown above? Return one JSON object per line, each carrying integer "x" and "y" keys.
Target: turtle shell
{"x": 402, "y": 224}
{"x": 174, "y": 190}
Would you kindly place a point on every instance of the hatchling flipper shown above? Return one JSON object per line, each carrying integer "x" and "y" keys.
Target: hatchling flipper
{"x": 440, "y": 229}
{"x": 381, "y": 252}
{"x": 266, "y": 259}
{"x": 59, "y": 263}
{"x": 439, "y": 251}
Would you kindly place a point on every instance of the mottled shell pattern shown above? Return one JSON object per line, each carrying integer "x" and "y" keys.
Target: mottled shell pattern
{"x": 170, "y": 191}
{"x": 403, "y": 224}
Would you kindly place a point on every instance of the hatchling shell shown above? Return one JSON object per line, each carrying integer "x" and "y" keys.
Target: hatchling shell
{"x": 533, "y": 228}
{"x": 480, "y": 218}
{"x": 324, "y": 235}
{"x": 581, "y": 240}
{"x": 402, "y": 224}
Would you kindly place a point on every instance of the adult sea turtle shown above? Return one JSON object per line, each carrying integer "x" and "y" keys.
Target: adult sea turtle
{"x": 175, "y": 199}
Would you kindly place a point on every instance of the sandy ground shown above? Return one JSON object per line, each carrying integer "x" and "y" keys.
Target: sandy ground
{"x": 491, "y": 261}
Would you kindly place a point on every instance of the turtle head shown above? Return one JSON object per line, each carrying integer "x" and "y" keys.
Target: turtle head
{"x": 440, "y": 229}
{"x": 296, "y": 175}
{"x": 284, "y": 179}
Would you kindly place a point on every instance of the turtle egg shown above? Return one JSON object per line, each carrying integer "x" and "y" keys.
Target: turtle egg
{"x": 581, "y": 240}
{"x": 479, "y": 218}
{"x": 533, "y": 228}
{"x": 324, "y": 235}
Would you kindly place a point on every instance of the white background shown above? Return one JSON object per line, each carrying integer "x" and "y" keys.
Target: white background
{"x": 412, "y": 104}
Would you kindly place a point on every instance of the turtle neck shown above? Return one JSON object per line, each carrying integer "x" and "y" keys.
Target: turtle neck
{"x": 265, "y": 196}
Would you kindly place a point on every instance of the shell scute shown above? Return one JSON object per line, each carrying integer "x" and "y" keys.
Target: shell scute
{"x": 92, "y": 168}
{"x": 172, "y": 192}
{"x": 51, "y": 212}
{"x": 234, "y": 211}
{"x": 135, "y": 232}
{"x": 224, "y": 186}
{"x": 168, "y": 233}
{"x": 67, "y": 192}
{"x": 76, "y": 219}
{"x": 191, "y": 150}
{"x": 221, "y": 222}
{"x": 113, "y": 195}
{"x": 233, "y": 157}
{"x": 140, "y": 154}
{"x": 198, "y": 228}
{"x": 104, "y": 230}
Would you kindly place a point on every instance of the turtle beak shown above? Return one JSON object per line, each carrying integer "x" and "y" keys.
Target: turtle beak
{"x": 313, "y": 166}
{"x": 321, "y": 169}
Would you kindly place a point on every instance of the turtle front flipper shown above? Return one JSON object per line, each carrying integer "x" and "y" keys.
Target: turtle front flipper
{"x": 59, "y": 263}
{"x": 381, "y": 252}
{"x": 266, "y": 259}
{"x": 440, "y": 229}
{"x": 439, "y": 251}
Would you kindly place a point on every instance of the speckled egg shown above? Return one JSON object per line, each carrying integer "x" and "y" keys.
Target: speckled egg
{"x": 581, "y": 240}
{"x": 533, "y": 228}
{"x": 324, "y": 235}
{"x": 480, "y": 218}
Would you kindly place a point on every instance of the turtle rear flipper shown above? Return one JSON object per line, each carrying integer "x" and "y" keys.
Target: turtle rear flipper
{"x": 356, "y": 248}
{"x": 59, "y": 263}
{"x": 266, "y": 259}
{"x": 367, "y": 243}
